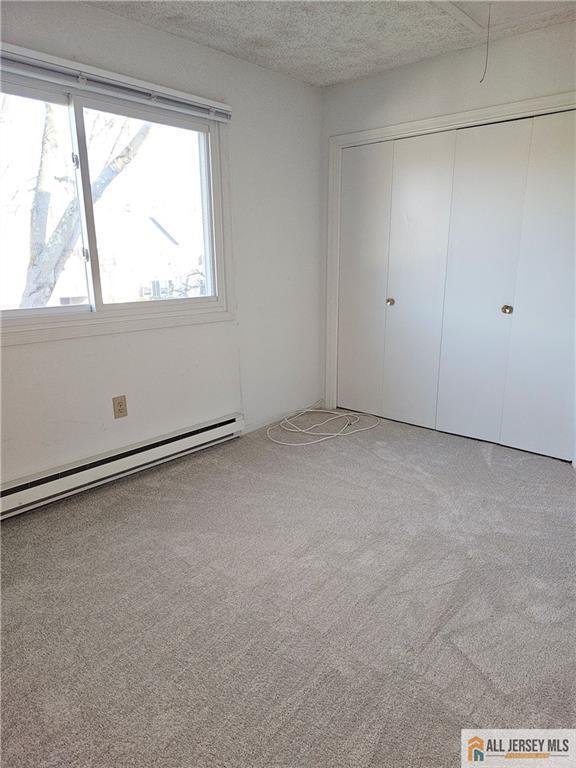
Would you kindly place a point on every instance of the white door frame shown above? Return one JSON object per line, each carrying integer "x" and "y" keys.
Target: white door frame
{"x": 560, "y": 102}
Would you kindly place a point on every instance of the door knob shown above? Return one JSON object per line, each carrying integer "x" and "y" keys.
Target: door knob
{"x": 507, "y": 309}
{"x": 390, "y": 302}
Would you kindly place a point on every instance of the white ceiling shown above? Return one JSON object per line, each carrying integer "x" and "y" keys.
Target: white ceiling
{"x": 329, "y": 42}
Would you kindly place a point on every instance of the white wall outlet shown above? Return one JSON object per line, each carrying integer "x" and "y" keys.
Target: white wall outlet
{"x": 120, "y": 406}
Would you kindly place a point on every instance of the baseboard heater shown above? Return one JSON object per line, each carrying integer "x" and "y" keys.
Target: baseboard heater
{"x": 24, "y": 494}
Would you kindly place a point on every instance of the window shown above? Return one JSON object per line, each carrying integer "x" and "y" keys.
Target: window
{"x": 41, "y": 257}
{"x": 109, "y": 208}
{"x": 149, "y": 193}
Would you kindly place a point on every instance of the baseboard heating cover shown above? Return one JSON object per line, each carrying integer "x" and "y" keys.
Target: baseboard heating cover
{"x": 26, "y": 493}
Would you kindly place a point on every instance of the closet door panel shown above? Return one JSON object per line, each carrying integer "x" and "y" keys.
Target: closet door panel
{"x": 364, "y": 234}
{"x": 489, "y": 183}
{"x": 421, "y": 194}
{"x": 539, "y": 396}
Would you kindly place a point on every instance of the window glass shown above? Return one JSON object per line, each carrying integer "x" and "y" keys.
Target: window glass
{"x": 151, "y": 208}
{"x": 41, "y": 262}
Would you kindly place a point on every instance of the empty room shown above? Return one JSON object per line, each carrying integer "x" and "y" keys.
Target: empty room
{"x": 288, "y": 384}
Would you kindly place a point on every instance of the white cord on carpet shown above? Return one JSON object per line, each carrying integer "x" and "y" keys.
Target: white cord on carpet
{"x": 288, "y": 425}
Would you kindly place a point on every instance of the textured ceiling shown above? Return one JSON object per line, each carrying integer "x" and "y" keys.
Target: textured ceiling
{"x": 330, "y": 42}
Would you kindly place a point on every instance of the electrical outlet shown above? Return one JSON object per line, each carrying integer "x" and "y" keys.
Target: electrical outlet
{"x": 120, "y": 407}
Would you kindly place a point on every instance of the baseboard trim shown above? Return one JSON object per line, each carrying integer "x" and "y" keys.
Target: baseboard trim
{"x": 24, "y": 494}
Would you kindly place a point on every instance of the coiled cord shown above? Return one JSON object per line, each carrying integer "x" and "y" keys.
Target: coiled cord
{"x": 289, "y": 424}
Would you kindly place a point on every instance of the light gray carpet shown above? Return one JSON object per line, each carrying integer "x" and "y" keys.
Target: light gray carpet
{"x": 347, "y": 605}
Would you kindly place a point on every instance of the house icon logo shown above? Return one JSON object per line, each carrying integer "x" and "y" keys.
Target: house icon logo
{"x": 475, "y": 750}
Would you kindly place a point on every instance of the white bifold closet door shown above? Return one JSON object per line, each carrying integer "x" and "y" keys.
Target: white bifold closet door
{"x": 538, "y": 410}
{"x": 364, "y": 235}
{"x": 420, "y": 218}
{"x": 490, "y": 170}
{"x": 457, "y": 285}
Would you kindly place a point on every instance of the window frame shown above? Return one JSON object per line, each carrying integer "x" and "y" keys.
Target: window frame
{"x": 19, "y": 326}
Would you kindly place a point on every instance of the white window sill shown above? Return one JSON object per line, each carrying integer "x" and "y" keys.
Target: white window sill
{"x": 56, "y": 326}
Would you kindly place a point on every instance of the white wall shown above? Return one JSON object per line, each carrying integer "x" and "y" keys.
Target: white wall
{"x": 57, "y": 395}
{"x": 523, "y": 67}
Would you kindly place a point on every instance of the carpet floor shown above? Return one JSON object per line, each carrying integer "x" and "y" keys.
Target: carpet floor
{"x": 352, "y": 604}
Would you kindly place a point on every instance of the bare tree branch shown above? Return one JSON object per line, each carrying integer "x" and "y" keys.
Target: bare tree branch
{"x": 118, "y": 140}
{"x": 42, "y": 194}
{"x": 44, "y": 272}
{"x": 117, "y": 165}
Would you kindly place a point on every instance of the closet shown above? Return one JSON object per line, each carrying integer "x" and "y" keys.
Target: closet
{"x": 456, "y": 282}
{"x": 364, "y": 234}
{"x": 419, "y": 222}
{"x": 486, "y": 221}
